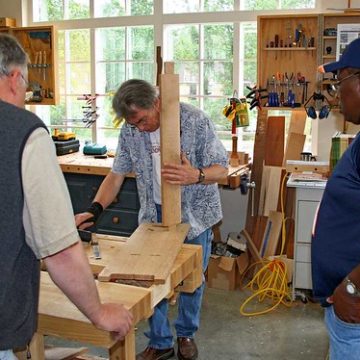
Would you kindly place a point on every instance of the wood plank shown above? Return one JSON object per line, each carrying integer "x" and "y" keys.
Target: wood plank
{"x": 124, "y": 349}
{"x": 170, "y": 143}
{"x": 256, "y": 169}
{"x": 264, "y": 185}
{"x": 259, "y": 231}
{"x": 297, "y": 121}
{"x": 182, "y": 276}
{"x": 59, "y": 317}
{"x": 253, "y": 250}
{"x": 294, "y": 147}
{"x": 271, "y": 235}
{"x": 62, "y": 353}
{"x": 79, "y": 163}
{"x": 149, "y": 254}
{"x": 295, "y": 143}
{"x": 275, "y": 138}
{"x": 271, "y": 188}
{"x": 36, "y": 349}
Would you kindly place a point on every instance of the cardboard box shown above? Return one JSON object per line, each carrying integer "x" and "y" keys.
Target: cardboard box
{"x": 289, "y": 265}
{"x": 7, "y": 22}
{"x": 224, "y": 272}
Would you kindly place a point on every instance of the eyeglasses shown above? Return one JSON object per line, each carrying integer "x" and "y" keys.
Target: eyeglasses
{"x": 333, "y": 88}
{"x": 143, "y": 121}
{"x": 25, "y": 80}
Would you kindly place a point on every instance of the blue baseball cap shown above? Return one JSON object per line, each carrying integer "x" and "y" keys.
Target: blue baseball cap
{"x": 349, "y": 59}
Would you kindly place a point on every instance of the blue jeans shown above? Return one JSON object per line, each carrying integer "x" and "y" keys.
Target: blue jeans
{"x": 7, "y": 355}
{"x": 344, "y": 337}
{"x": 189, "y": 305}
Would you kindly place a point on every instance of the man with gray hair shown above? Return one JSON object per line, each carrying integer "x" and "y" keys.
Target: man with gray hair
{"x": 204, "y": 162}
{"x": 37, "y": 219}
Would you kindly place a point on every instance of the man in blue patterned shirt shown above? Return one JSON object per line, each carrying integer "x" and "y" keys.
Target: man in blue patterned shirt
{"x": 204, "y": 161}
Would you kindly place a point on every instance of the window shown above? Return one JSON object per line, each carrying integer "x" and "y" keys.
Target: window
{"x": 276, "y": 4}
{"x": 117, "y": 41}
{"x": 203, "y": 56}
{"x": 55, "y": 10}
{"x": 185, "y": 6}
{"x": 121, "y": 53}
{"x": 106, "y": 8}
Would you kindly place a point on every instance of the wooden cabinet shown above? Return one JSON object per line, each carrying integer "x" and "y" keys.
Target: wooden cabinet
{"x": 120, "y": 218}
{"x": 287, "y": 56}
{"x": 328, "y": 38}
{"x": 328, "y": 29}
{"x": 40, "y": 44}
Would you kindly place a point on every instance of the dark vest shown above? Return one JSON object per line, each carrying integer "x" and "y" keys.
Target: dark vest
{"x": 19, "y": 268}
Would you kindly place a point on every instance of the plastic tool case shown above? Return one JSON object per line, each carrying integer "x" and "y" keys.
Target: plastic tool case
{"x": 67, "y": 146}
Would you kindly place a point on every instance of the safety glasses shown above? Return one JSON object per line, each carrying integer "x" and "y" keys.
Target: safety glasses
{"x": 333, "y": 88}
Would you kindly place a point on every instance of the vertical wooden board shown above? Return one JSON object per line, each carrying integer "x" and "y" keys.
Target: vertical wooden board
{"x": 272, "y": 233}
{"x": 259, "y": 231}
{"x": 294, "y": 147}
{"x": 37, "y": 349}
{"x": 297, "y": 121}
{"x": 257, "y": 167}
{"x": 275, "y": 138}
{"x": 273, "y": 189}
{"x": 170, "y": 146}
{"x": 124, "y": 349}
{"x": 263, "y": 189}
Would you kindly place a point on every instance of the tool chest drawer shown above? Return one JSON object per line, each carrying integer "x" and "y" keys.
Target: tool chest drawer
{"x": 121, "y": 217}
{"x": 303, "y": 253}
{"x": 82, "y": 189}
{"x": 306, "y": 203}
{"x": 117, "y": 222}
{"x": 128, "y": 197}
{"x": 303, "y": 278}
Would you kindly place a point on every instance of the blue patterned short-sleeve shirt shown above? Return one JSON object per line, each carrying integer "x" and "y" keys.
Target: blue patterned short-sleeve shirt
{"x": 200, "y": 203}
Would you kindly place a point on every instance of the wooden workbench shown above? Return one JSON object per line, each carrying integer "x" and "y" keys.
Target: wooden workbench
{"x": 59, "y": 317}
{"x": 84, "y": 164}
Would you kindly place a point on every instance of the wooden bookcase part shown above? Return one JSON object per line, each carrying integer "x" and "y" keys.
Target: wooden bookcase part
{"x": 328, "y": 44}
{"x": 7, "y": 22}
{"x": 331, "y": 21}
{"x": 279, "y": 55}
{"x": 40, "y": 44}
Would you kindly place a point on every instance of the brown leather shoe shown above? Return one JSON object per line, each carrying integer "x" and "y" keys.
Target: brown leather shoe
{"x": 155, "y": 354}
{"x": 187, "y": 349}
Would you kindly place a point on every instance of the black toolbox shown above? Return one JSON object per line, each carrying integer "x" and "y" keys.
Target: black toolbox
{"x": 67, "y": 146}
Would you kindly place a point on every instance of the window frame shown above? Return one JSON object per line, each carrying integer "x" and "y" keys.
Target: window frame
{"x": 159, "y": 21}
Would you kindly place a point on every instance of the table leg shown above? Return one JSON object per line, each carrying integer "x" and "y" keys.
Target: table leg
{"x": 37, "y": 349}
{"x": 125, "y": 349}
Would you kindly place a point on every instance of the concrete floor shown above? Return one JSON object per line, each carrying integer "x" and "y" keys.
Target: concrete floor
{"x": 284, "y": 334}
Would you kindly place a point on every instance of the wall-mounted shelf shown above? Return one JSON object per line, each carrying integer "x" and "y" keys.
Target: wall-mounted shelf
{"x": 291, "y": 65}
{"x": 290, "y": 49}
{"x": 326, "y": 21}
{"x": 39, "y": 42}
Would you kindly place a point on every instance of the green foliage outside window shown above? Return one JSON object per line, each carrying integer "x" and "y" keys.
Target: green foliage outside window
{"x": 203, "y": 55}
{"x": 276, "y": 4}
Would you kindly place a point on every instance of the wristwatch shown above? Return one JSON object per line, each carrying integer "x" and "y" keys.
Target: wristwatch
{"x": 201, "y": 176}
{"x": 351, "y": 288}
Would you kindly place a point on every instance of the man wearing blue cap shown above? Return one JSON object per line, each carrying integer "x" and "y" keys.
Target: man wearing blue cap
{"x": 336, "y": 242}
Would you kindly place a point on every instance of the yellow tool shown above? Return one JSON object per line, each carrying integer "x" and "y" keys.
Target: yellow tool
{"x": 63, "y": 135}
